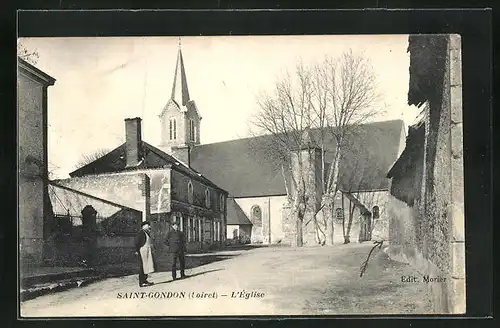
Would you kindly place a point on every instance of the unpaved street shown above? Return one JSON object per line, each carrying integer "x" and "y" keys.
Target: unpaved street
{"x": 260, "y": 281}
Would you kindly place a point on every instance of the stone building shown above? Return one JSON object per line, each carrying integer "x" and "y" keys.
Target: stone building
{"x": 164, "y": 189}
{"x": 256, "y": 181}
{"x": 426, "y": 208}
{"x": 34, "y": 218}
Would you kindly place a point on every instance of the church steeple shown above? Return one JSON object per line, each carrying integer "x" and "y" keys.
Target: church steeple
{"x": 180, "y": 92}
{"x": 180, "y": 119}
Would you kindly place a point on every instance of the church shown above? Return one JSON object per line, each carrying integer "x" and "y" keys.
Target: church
{"x": 231, "y": 184}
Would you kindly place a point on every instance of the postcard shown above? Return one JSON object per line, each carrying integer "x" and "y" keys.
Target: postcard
{"x": 285, "y": 175}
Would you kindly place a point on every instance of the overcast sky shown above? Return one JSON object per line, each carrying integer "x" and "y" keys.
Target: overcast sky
{"x": 102, "y": 81}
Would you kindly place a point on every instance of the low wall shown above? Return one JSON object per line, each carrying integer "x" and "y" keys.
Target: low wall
{"x": 115, "y": 255}
{"x": 108, "y": 250}
{"x": 115, "y": 241}
{"x": 402, "y": 223}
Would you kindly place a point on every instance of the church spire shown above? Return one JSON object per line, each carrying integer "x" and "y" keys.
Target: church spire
{"x": 180, "y": 93}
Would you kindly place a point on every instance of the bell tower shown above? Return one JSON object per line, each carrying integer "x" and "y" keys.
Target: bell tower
{"x": 180, "y": 119}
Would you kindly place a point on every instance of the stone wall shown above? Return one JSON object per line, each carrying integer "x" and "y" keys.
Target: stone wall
{"x": 402, "y": 220}
{"x": 32, "y": 167}
{"x": 430, "y": 225}
{"x": 271, "y": 224}
{"x": 128, "y": 189}
{"x": 456, "y": 206}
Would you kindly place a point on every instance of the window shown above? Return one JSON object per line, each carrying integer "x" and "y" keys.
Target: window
{"x": 200, "y": 229}
{"x": 207, "y": 198}
{"x": 196, "y": 229}
{"x": 190, "y": 229}
{"x": 376, "y": 212}
{"x": 181, "y": 223}
{"x": 190, "y": 192}
{"x": 339, "y": 214}
{"x": 192, "y": 130}
{"x": 173, "y": 129}
{"x": 221, "y": 203}
{"x": 216, "y": 228}
{"x": 256, "y": 215}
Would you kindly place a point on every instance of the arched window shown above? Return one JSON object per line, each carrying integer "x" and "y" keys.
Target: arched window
{"x": 173, "y": 129}
{"x": 256, "y": 214}
{"x": 192, "y": 130}
{"x": 190, "y": 191}
{"x": 376, "y": 212}
{"x": 207, "y": 198}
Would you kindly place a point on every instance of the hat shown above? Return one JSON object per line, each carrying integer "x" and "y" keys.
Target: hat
{"x": 144, "y": 223}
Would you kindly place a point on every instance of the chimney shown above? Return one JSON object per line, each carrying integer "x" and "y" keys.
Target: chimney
{"x": 133, "y": 141}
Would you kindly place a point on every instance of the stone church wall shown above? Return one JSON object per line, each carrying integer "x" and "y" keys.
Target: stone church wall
{"x": 270, "y": 225}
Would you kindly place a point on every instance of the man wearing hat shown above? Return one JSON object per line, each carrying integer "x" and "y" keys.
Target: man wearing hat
{"x": 176, "y": 247}
{"x": 144, "y": 250}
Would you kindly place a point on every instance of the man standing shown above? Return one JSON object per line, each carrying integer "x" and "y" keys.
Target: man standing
{"x": 176, "y": 247}
{"x": 144, "y": 250}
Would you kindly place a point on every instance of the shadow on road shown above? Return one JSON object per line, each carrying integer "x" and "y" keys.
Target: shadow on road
{"x": 245, "y": 247}
{"x": 164, "y": 263}
{"x": 189, "y": 276}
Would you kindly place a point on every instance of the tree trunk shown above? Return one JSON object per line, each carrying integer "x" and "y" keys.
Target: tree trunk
{"x": 330, "y": 196}
{"x": 329, "y": 213}
{"x": 343, "y": 221}
{"x": 347, "y": 239}
{"x": 299, "y": 208}
{"x": 300, "y": 239}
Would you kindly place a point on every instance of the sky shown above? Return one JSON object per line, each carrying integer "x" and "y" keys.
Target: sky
{"x": 100, "y": 81}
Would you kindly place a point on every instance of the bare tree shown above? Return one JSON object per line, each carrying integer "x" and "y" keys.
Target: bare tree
{"x": 90, "y": 157}
{"x": 286, "y": 114}
{"x": 31, "y": 56}
{"x": 51, "y": 169}
{"x": 333, "y": 97}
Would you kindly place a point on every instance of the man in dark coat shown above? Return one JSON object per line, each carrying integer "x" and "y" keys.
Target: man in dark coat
{"x": 143, "y": 248}
{"x": 176, "y": 247}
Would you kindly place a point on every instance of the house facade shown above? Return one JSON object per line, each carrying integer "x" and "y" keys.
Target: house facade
{"x": 34, "y": 218}
{"x": 162, "y": 188}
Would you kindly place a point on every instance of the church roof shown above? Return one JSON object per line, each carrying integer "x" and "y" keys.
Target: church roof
{"x": 239, "y": 166}
{"x": 235, "y": 215}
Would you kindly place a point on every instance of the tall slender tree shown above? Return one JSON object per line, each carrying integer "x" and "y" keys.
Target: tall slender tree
{"x": 333, "y": 97}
